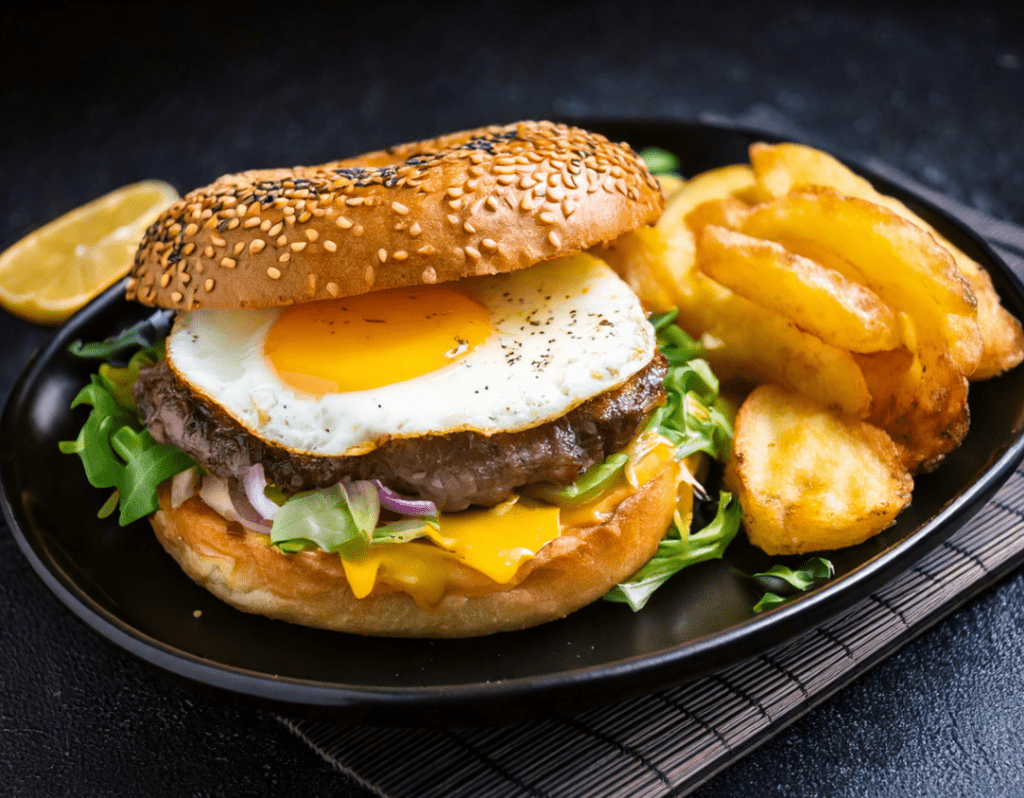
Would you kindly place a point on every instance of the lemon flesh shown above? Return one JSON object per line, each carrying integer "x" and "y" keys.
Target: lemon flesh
{"x": 55, "y": 270}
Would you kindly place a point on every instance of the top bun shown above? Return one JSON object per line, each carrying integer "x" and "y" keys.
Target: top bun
{"x": 482, "y": 201}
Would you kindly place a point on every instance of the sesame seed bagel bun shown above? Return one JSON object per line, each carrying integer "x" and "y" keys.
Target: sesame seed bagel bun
{"x": 482, "y": 201}
{"x": 310, "y": 587}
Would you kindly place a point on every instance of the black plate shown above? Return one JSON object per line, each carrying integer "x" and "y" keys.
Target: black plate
{"x": 123, "y": 586}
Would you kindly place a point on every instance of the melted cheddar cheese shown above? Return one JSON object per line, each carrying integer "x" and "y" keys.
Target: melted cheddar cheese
{"x": 496, "y": 542}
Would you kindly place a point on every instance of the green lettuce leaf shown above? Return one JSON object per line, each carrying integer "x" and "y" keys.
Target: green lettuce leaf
{"x": 680, "y": 550}
{"x": 324, "y": 519}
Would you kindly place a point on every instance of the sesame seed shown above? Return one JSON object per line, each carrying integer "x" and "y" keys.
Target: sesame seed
{"x": 191, "y": 229}
{"x": 489, "y": 244}
{"x": 165, "y": 280}
{"x": 426, "y": 249}
{"x": 343, "y": 223}
{"x": 569, "y": 207}
{"x": 453, "y": 219}
{"x": 400, "y": 255}
{"x": 265, "y": 225}
{"x": 238, "y": 248}
{"x": 252, "y": 221}
{"x": 330, "y": 246}
{"x": 285, "y": 257}
{"x": 455, "y": 191}
{"x": 491, "y": 203}
{"x": 176, "y": 297}
{"x": 369, "y": 275}
{"x": 208, "y": 285}
{"x": 547, "y": 217}
{"x": 208, "y": 252}
{"x": 298, "y": 246}
{"x": 357, "y": 230}
{"x": 455, "y": 204}
{"x": 233, "y": 224}
{"x": 275, "y": 231}
{"x": 382, "y": 255}
{"x": 305, "y": 217}
{"x": 273, "y": 273}
{"x": 473, "y": 253}
{"x": 554, "y": 240}
{"x": 506, "y": 180}
{"x": 415, "y": 229}
{"x": 398, "y": 207}
{"x": 228, "y": 263}
{"x": 312, "y": 235}
{"x": 217, "y": 241}
{"x": 189, "y": 248}
{"x": 468, "y": 227}
{"x": 185, "y": 278}
{"x": 332, "y": 289}
{"x": 429, "y": 275}
{"x": 257, "y": 245}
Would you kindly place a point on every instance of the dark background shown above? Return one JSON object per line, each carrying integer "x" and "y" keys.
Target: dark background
{"x": 94, "y": 97}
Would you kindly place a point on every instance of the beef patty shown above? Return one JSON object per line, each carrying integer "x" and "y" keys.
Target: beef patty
{"x": 453, "y": 470}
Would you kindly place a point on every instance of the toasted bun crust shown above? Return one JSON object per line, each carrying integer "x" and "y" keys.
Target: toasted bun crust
{"x": 310, "y": 588}
{"x": 483, "y": 201}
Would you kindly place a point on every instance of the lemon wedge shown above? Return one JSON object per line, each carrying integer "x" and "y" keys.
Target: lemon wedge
{"x": 55, "y": 270}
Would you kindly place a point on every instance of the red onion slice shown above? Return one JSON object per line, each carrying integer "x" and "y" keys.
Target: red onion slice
{"x": 254, "y": 482}
{"x": 403, "y": 505}
{"x": 216, "y": 492}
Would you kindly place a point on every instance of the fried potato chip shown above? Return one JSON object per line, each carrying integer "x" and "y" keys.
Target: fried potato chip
{"x": 897, "y": 260}
{"x": 780, "y": 168}
{"x": 809, "y": 479}
{"x": 819, "y": 300}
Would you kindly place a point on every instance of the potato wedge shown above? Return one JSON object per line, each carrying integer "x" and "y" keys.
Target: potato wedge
{"x": 744, "y": 340}
{"x": 897, "y": 260}
{"x": 817, "y": 299}
{"x": 780, "y": 168}
{"x": 809, "y": 479}
{"x": 670, "y": 185}
{"x": 710, "y": 185}
{"x": 726, "y": 212}
{"x": 639, "y": 259}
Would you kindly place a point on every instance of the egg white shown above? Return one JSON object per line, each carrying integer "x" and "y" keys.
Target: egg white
{"x": 564, "y": 331}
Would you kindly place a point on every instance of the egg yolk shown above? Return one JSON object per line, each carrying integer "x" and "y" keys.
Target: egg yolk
{"x": 374, "y": 339}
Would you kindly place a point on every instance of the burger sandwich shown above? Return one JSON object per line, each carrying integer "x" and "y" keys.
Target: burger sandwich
{"x": 403, "y": 395}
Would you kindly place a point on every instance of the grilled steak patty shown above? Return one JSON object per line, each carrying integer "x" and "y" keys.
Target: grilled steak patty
{"x": 453, "y": 470}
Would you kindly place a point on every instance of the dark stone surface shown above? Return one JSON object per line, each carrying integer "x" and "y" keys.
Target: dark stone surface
{"x": 95, "y": 97}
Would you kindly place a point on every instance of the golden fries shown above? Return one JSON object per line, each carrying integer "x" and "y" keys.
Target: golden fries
{"x": 817, "y": 299}
{"x": 795, "y": 271}
{"x": 781, "y": 168}
{"x": 811, "y": 480}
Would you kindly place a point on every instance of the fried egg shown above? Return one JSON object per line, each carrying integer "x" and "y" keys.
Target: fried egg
{"x": 499, "y": 353}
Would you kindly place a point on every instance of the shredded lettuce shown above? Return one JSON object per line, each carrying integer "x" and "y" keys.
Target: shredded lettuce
{"x": 680, "y": 549}
{"x": 116, "y": 452}
{"x": 782, "y": 584}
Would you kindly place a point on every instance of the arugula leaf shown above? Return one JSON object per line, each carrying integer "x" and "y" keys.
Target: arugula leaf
{"x": 144, "y": 334}
{"x": 680, "y": 550}
{"x": 660, "y": 162}
{"x": 782, "y": 584}
{"x": 117, "y": 453}
{"x": 588, "y": 486}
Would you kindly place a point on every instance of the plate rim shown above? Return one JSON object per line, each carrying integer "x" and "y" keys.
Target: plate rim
{"x": 679, "y": 663}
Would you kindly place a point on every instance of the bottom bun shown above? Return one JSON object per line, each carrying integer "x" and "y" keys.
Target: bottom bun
{"x": 310, "y": 587}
